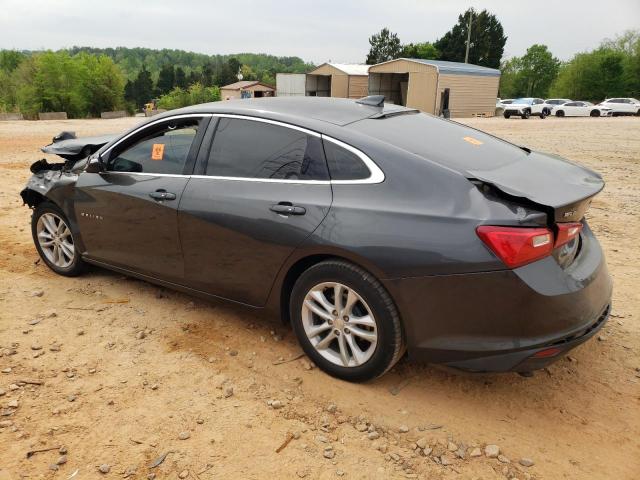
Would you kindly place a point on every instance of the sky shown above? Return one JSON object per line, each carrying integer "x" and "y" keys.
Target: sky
{"x": 318, "y": 31}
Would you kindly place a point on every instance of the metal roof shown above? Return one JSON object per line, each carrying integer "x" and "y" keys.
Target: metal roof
{"x": 454, "y": 68}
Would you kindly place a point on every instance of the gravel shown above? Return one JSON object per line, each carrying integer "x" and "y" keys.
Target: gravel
{"x": 492, "y": 451}
{"x": 526, "y": 462}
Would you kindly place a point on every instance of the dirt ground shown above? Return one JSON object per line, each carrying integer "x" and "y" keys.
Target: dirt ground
{"x": 119, "y": 372}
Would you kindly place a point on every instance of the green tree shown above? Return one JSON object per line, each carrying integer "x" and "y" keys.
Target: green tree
{"x": 425, "y": 50}
{"x": 166, "y": 79}
{"x": 102, "y": 83}
{"x": 592, "y": 76}
{"x": 384, "y": 46}
{"x": 530, "y": 75}
{"x": 180, "y": 78}
{"x": 487, "y": 40}
{"x": 195, "y": 94}
{"x": 142, "y": 87}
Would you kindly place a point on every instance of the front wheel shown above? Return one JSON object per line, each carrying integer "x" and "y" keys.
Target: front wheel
{"x": 526, "y": 114}
{"x": 595, "y": 113}
{"x": 345, "y": 321}
{"x": 506, "y": 114}
{"x": 54, "y": 240}
{"x": 543, "y": 114}
{"x": 559, "y": 113}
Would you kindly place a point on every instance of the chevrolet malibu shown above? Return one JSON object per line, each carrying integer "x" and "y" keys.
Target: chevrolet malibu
{"x": 373, "y": 229}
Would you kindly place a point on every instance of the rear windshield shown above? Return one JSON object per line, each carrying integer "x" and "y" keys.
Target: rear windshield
{"x": 448, "y": 143}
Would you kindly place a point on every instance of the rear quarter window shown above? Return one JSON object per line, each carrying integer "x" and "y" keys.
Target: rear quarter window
{"x": 344, "y": 164}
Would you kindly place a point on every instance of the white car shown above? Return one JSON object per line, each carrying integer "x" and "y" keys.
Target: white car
{"x": 580, "y": 109}
{"x": 549, "y": 103}
{"x": 622, "y": 106}
{"x": 525, "y": 107}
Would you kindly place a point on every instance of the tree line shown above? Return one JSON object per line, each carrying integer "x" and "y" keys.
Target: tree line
{"x": 87, "y": 81}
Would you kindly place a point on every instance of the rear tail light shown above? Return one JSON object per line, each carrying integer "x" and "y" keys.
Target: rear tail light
{"x": 567, "y": 232}
{"x": 517, "y": 246}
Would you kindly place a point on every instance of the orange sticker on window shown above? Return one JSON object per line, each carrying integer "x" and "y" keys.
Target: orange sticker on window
{"x": 157, "y": 151}
{"x": 472, "y": 141}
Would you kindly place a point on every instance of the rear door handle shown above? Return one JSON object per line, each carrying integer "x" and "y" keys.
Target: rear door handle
{"x": 287, "y": 208}
{"x": 161, "y": 195}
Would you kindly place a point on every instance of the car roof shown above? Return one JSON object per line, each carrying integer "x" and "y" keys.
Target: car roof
{"x": 304, "y": 111}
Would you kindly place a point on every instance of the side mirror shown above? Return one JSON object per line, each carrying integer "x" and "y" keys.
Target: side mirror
{"x": 94, "y": 166}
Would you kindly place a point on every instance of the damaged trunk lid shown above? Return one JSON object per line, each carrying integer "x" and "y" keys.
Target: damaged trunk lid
{"x": 558, "y": 186}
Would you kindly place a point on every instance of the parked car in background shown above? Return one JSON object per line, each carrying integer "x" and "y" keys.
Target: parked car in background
{"x": 525, "y": 107}
{"x": 372, "y": 228}
{"x": 622, "y": 106}
{"x": 553, "y": 102}
{"x": 580, "y": 109}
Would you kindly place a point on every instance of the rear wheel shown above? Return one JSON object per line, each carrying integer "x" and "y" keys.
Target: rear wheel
{"x": 595, "y": 113}
{"x": 54, "y": 240}
{"x": 638, "y": 113}
{"x": 560, "y": 113}
{"x": 526, "y": 114}
{"x": 345, "y": 321}
{"x": 543, "y": 114}
{"x": 507, "y": 114}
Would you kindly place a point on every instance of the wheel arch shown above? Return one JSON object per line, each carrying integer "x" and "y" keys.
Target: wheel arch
{"x": 33, "y": 198}
{"x": 278, "y": 301}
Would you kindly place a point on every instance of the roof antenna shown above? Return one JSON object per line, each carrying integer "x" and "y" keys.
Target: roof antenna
{"x": 372, "y": 100}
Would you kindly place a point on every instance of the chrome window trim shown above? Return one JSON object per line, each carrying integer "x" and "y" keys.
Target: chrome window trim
{"x": 149, "y": 124}
{"x": 376, "y": 174}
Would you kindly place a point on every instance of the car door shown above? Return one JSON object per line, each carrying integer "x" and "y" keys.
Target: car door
{"x": 128, "y": 213}
{"x": 259, "y": 190}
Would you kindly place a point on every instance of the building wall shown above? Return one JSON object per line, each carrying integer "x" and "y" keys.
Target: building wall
{"x": 339, "y": 86}
{"x": 421, "y": 93}
{"x": 290, "y": 84}
{"x": 401, "y": 66}
{"x": 358, "y": 86}
{"x": 469, "y": 94}
{"x": 228, "y": 94}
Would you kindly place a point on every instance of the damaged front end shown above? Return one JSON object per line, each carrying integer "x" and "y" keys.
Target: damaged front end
{"x": 53, "y": 180}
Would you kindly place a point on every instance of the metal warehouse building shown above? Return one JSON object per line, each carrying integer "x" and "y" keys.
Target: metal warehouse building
{"x": 432, "y": 85}
{"x": 337, "y": 80}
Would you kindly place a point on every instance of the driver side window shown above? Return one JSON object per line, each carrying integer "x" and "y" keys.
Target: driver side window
{"x": 163, "y": 150}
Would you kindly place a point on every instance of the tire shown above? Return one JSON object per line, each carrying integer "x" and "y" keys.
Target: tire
{"x": 638, "y": 113}
{"x": 543, "y": 114}
{"x": 594, "y": 113}
{"x": 560, "y": 113}
{"x": 526, "y": 114}
{"x": 62, "y": 257}
{"x": 507, "y": 114}
{"x": 372, "y": 313}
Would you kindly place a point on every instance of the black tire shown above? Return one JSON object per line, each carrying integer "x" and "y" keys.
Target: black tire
{"x": 543, "y": 114}
{"x": 76, "y": 266}
{"x": 506, "y": 114}
{"x": 390, "y": 345}
{"x": 526, "y": 114}
{"x": 560, "y": 113}
{"x": 638, "y": 113}
{"x": 594, "y": 113}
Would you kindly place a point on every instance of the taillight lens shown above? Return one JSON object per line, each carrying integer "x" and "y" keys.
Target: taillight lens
{"x": 567, "y": 232}
{"x": 517, "y": 246}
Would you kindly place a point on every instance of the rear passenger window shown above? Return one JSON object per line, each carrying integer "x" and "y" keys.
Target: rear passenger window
{"x": 344, "y": 164}
{"x": 254, "y": 149}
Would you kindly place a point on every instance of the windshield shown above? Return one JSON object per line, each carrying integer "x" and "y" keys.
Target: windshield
{"x": 528, "y": 101}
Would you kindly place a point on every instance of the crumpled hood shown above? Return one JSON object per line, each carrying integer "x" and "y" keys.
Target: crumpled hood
{"x": 76, "y": 146}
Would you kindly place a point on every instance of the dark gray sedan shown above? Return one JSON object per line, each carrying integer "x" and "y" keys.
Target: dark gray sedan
{"x": 372, "y": 228}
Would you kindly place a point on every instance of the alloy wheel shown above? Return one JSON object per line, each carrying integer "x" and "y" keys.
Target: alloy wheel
{"x": 339, "y": 324}
{"x": 55, "y": 240}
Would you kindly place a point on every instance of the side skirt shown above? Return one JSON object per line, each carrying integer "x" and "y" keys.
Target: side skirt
{"x": 164, "y": 283}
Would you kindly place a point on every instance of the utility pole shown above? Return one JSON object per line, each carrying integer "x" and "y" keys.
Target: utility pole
{"x": 466, "y": 54}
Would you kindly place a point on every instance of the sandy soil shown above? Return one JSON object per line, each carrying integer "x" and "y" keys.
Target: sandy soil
{"x": 119, "y": 372}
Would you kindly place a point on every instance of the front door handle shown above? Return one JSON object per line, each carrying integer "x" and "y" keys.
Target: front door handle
{"x": 162, "y": 194}
{"x": 287, "y": 208}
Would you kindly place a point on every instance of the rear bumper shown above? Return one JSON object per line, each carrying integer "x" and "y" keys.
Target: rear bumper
{"x": 496, "y": 321}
